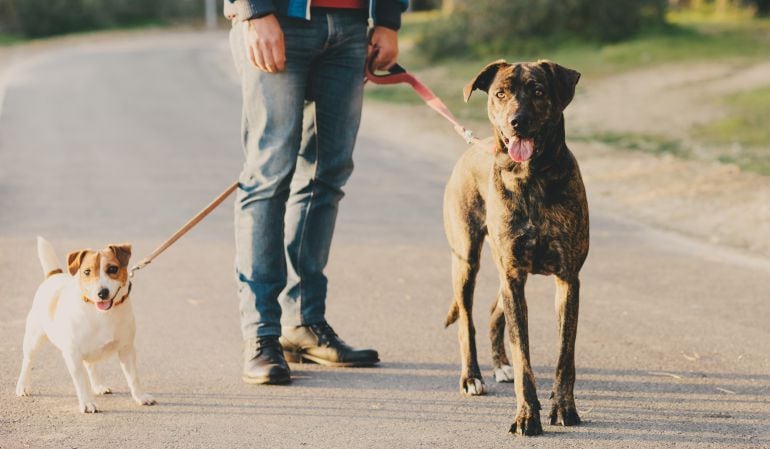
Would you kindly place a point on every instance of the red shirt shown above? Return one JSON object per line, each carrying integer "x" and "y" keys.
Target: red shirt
{"x": 342, "y": 4}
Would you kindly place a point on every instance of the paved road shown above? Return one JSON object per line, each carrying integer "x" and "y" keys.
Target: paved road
{"x": 122, "y": 141}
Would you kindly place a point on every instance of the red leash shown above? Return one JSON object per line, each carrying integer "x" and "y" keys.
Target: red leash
{"x": 398, "y": 74}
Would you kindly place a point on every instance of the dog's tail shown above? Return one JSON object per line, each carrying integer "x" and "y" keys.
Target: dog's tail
{"x": 451, "y": 317}
{"x": 47, "y": 257}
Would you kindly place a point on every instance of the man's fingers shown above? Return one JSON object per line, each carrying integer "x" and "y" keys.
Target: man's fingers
{"x": 259, "y": 60}
{"x": 250, "y": 54}
{"x": 384, "y": 60}
{"x": 279, "y": 56}
{"x": 267, "y": 56}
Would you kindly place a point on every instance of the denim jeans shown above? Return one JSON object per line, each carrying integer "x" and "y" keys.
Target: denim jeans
{"x": 299, "y": 128}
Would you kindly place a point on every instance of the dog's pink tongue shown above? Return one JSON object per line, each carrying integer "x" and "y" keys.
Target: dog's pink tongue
{"x": 521, "y": 150}
{"x": 104, "y": 305}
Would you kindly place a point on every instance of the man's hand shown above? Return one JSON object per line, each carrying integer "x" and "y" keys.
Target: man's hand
{"x": 384, "y": 46}
{"x": 263, "y": 38}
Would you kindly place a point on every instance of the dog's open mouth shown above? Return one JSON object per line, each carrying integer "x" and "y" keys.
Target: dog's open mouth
{"x": 519, "y": 149}
{"x": 104, "y": 305}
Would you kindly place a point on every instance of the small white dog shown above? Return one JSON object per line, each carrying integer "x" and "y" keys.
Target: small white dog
{"x": 87, "y": 315}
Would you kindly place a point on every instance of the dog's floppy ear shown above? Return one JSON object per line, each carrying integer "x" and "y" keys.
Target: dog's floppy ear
{"x": 484, "y": 79}
{"x": 74, "y": 259}
{"x": 564, "y": 81}
{"x": 122, "y": 252}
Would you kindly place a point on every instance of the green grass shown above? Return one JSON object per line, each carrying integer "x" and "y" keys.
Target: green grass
{"x": 744, "y": 131}
{"x": 8, "y": 39}
{"x": 748, "y": 123}
{"x": 651, "y": 144}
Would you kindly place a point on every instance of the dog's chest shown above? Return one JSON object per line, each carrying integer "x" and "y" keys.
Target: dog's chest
{"x": 102, "y": 336}
{"x": 533, "y": 227}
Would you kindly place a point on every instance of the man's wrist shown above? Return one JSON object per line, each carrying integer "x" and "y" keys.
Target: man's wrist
{"x": 254, "y": 9}
{"x": 391, "y": 26}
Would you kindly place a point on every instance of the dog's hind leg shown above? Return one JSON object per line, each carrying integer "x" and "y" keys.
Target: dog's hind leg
{"x": 503, "y": 371}
{"x": 97, "y": 382}
{"x": 465, "y": 266}
{"x": 563, "y": 410}
{"x": 34, "y": 336}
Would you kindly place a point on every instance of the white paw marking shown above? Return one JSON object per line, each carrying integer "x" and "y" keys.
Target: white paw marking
{"x": 504, "y": 374}
{"x": 88, "y": 407}
{"x": 474, "y": 387}
{"x": 145, "y": 399}
{"x": 22, "y": 390}
{"x": 101, "y": 389}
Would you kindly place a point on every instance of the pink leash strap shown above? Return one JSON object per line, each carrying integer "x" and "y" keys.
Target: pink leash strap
{"x": 398, "y": 74}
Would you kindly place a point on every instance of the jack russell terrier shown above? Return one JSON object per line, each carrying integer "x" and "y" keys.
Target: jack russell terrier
{"x": 87, "y": 316}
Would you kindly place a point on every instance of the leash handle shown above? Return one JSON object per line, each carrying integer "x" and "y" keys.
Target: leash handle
{"x": 184, "y": 229}
{"x": 388, "y": 78}
{"x": 397, "y": 74}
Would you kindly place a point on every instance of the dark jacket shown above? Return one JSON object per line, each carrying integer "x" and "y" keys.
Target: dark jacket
{"x": 385, "y": 13}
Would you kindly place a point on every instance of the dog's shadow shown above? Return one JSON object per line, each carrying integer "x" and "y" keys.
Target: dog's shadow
{"x": 666, "y": 407}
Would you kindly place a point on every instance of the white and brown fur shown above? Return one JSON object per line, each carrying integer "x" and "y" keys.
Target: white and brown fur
{"x": 86, "y": 314}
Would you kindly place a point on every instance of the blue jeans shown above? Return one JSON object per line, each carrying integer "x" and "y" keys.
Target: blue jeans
{"x": 299, "y": 129}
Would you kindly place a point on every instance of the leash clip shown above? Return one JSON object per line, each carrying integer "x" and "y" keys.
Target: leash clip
{"x": 468, "y": 136}
{"x": 137, "y": 267}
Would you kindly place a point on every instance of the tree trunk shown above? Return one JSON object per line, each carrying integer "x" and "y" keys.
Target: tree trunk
{"x": 447, "y": 6}
{"x": 763, "y": 7}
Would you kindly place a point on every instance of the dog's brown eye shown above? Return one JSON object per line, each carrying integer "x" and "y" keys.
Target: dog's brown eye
{"x": 500, "y": 94}
{"x": 112, "y": 269}
{"x": 87, "y": 271}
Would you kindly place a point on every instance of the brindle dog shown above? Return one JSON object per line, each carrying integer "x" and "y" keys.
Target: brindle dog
{"x": 527, "y": 198}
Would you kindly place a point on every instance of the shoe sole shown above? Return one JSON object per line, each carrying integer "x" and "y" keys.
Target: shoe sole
{"x": 297, "y": 357}
{"x": 266, "y": 380}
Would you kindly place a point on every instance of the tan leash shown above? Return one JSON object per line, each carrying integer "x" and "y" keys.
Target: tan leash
{"x": 184, "y": 229}
{"x": 396, "y": 74}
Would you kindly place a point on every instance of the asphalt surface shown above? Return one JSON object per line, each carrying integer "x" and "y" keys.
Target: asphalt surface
{"x": 123, "y": 141}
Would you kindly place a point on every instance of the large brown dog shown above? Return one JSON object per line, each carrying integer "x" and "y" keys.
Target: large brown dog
{"x": 528, "y": 199}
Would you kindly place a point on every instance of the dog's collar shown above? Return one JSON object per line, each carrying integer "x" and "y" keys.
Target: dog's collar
{"x": 121, "y": 301}
{"x": 125, "y": 297}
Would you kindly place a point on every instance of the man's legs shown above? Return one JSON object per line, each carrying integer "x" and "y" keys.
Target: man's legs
{"x": 272, "y": 123}
{"x": 325, "y": 164}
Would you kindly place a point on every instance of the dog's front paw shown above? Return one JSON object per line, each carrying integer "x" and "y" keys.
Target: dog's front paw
{"x": 88, "y": 407}
{"x": 504, "y": 373}
{"x": 473, "y": 386}
{"x": 564, "y": 414}
{"x": 22, "y": 390}
{"x": 145, "y": 399}
{"x": 101, "y": 390}
{"x": 527, "y": 423}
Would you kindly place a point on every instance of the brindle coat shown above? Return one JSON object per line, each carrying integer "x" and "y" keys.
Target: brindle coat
{"x": 535, "y": 215}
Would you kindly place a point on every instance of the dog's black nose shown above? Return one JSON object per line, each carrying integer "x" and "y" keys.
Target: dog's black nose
{"x": 515, "y": 123}
{"x": 104, "y": 293}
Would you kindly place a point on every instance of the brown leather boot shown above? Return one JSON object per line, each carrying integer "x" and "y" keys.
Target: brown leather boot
{"x": 320, "y": 344}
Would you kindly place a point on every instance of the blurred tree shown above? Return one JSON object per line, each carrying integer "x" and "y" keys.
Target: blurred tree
{"x": 8, "y": 20}
{"x": 489, "y": 26}
{"x": 35, "y": 18}
{"x": 763, "y": 7}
